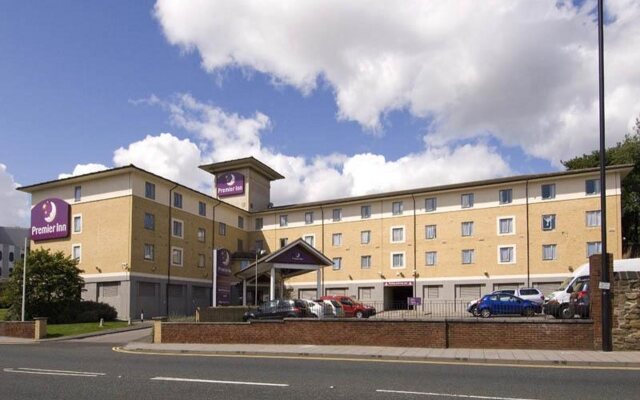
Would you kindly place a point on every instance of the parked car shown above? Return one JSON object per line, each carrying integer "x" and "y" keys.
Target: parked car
{"x": 351, "y": 307}
{"x": 526, "y": 293}
{"x": 316, "y": 308}
{"x": 333, "y": 309}
{"x": 503, "y": 304}
{"x": 580, "y": 301}
{"x": 279, "y": 309}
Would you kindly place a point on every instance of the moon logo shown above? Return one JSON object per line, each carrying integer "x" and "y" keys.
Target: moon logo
{"x": 52, "y": 213}
{"x": 231, "y": 179}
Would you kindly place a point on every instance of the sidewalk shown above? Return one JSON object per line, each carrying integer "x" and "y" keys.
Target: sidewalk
{"x": 617, "y": 359}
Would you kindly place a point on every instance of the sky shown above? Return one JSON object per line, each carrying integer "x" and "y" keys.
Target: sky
{"x": 342, "y": 98}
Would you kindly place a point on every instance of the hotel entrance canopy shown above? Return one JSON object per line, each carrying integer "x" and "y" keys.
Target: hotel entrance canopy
{"x": 296, "y": 258}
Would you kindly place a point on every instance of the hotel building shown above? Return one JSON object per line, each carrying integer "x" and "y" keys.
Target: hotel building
{"x": 147, "y": 243}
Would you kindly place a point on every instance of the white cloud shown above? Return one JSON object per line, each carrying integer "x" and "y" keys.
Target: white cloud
{"x": 15, "y": 205}
{"x": 524, "y": 71}
{"x": 82, "y": 169}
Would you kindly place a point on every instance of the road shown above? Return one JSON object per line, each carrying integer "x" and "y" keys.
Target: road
{"x": 81, "y": 370}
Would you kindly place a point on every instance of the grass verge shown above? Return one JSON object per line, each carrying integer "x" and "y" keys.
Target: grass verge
{"x": 59, "y": 330}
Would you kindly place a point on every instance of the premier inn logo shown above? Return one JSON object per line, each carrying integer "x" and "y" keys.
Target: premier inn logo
{"x": 50, "y": 220}
{"x": 230, "y": 184}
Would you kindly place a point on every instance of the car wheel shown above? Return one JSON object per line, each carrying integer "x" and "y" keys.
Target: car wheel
{"x": 565, "y": 312}
{"x": 485, "y": 313}
{"x": 474, "y": 311}
{"x": 528, "y": 312}
{"x": 359, "y": 314}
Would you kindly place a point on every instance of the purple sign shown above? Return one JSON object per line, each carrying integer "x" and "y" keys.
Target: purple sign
{"x": 296, "y": 255}
{"x": 229, "y": 184}
{"x": 400, "y": 283}
{"x": 223, "y": 277}
{"x": 414, "y": 301}
{"x": 50, "y": 220}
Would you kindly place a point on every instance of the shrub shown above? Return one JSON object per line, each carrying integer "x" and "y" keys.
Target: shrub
{"x": 92, "y": 311}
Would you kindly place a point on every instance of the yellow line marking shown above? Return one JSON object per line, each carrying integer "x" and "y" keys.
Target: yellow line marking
{"x": 372, "y": 359}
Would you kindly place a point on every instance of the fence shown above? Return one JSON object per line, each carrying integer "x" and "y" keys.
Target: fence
{"x": 453, "y": 309}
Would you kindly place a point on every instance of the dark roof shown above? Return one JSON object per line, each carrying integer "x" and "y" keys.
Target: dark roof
{"x": 247, "y": 162}
{"x": 426, "y": 190}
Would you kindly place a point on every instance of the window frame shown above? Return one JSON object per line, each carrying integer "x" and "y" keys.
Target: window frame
{"x": 259, "y": 223}
{"x": 510, "y": 196}
{"x": 435, "y": 232}
{"x": 368, "y": 263}
{"x": 181, "y": 252}
{"x": 597, "y": 187}
{"x": 144, "y": 252}
{"x": 283, "y": 219}
{"x": 308, "y": 217}
{"x": 555, "y": 252}
{"x": 391, "y": 259}
{"x": 149, "y": 190}
{"x": 499, "y": 225}
{"x": 202, "y": 208}
{"x": 152, "y": 220}
{"x": 394, "y": 228}
{"x": 552, "y": 194}
{"x": 75, "y": 246}
{"x": 73, "y": 220}
{"x": 338, "y": 236}
{"x": 426, "y": 204}
{"x": 462, "y": 224}
{"x": 204, "y": 235}
{"x": 470, "y": 200}
{"x": 336, "y": 264}
{"x": 368, "y": 213}
{"x": 368, "y": 236}
{"x": 173, "y": 228}
{"x": 598, "y": 244}
{"x": 586, "y": 216}
{"x": 426, "y": 258}
{"x": 339, "y": 216}
{"x": 77, "y": 193}
{"x": 397, "y": 207}
{"x": 553, "y": 228}
{"x": 472, "y": 252}
{"x": 177, "y": 200}
{"x": 222, "y": 229}
{"x": 513, "y": 253}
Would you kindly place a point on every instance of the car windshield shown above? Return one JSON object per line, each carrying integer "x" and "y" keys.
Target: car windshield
{"x": 566, "y": 283}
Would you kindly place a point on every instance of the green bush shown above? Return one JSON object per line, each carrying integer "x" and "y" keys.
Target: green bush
{"x": 92, "y": 311}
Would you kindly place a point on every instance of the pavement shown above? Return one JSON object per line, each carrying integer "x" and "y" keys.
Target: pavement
{"x": 130, "y": 342}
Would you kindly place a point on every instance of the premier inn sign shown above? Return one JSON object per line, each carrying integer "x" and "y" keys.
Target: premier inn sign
{"x": 230, "y": 184}
{"x": 50, "y": 220}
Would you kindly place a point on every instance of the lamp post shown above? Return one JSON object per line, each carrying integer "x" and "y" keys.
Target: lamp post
{"x": 259, "y": 253}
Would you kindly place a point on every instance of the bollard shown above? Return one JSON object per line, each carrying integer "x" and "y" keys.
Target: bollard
{"x": 141, "y": 315}
{"x": 101, "y": 322}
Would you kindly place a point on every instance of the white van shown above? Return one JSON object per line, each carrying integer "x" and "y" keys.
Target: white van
{"x": 558, "y": 301}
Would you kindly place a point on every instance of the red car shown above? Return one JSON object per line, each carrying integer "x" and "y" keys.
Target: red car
{"x": 351, "y": 307}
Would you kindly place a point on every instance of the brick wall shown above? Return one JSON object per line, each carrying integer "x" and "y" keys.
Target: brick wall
{"x": 498, "y": 334}
{"x": 25, "y": 330}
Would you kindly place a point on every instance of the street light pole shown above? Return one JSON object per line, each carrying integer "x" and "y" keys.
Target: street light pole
{"x": 259, "y": 252}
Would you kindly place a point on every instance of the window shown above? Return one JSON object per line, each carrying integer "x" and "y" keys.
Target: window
{"x": 11, "y": 257}
{"x": 77, "y": 224}
{"x": 149, "y": 190}
{"x": 548, "y": 222}
{"x": 548, "y": 252}
{"x": 397, "y": 234}
{"x": 259, "y": 223}
{"x": 365, "y": 262}
{"x": 594, "y": 248}
{"x": 365, "y": 212}
{"x": 222, "y": 229}
{"x": 432, "y": 292}
{"x": 308, "y": 217}
{"x": 201, "y": 260}
{"x": 284, "y": 220}
{"x": 505, "y": 226}
{"x": 336, "y": 239}
{"x": 76, "y": 252}
{"x": 365, "y": 237}
{"x": 284, "y": 242}
{"x": 592, "y": 186}
{"x": 593, "y": 218}
{"x": 397, "y": 260}
{"x": 149, "y": 252}
{"x": 177, "y": 200}
{"x": 505, "y": 196}
{"x": 240, "y": 245}
{"x": 468, "y": 256}
{"x": 396, "y": 208}
{"x": 548, "y": 191}
{"x": 176, "y": 256}
{"x": 467, "y": 200}
{"x": 337, "y": 214}
{"x": 365, "y": 293}
{"x": 77, "y": 193}
{"x": 430, "y": 258}
{"x": 177, "y": 228}
{"x": 310, "y": 239}
{"x": 430, "y": 204}
{"x": 506, "y": 254}
{"x": 149, "y": 221}
{"x": 202, "y": 234}
{"x": 337, "y": 263}
{"x": 240, "y": 222}
{"x": 467, "y": 228}
{"x": 202, "y": 208}
{"x": 259, "y": 245}
{"x": 430, "y": 232}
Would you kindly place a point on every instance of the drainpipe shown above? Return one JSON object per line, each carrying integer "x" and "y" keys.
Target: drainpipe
{"x": 528, "y": 238}
{"x": 169, "y": 250}
{"x": 415, "y": 249}
{"x": 213, "y": 243}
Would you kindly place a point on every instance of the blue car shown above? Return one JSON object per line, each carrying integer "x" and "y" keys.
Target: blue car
{"x": 502, "y": 303}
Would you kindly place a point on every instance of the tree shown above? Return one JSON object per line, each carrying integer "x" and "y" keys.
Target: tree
{"x": 625, "y": 152}
{"x": 54, "y": 287}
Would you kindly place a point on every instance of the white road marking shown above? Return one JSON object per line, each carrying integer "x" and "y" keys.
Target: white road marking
{"x": 463, "y": 396}
{"x": 162, "y": 378}
{"x": 39, "y": 371}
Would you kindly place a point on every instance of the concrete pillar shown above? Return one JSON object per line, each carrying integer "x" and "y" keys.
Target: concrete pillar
{"x": 40, "y": 328}
{"x": 319, "y": 282}
{"x": 272, "y": 284}
{"x": 244, "y": 292}
{"x": 157, "y": 329}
